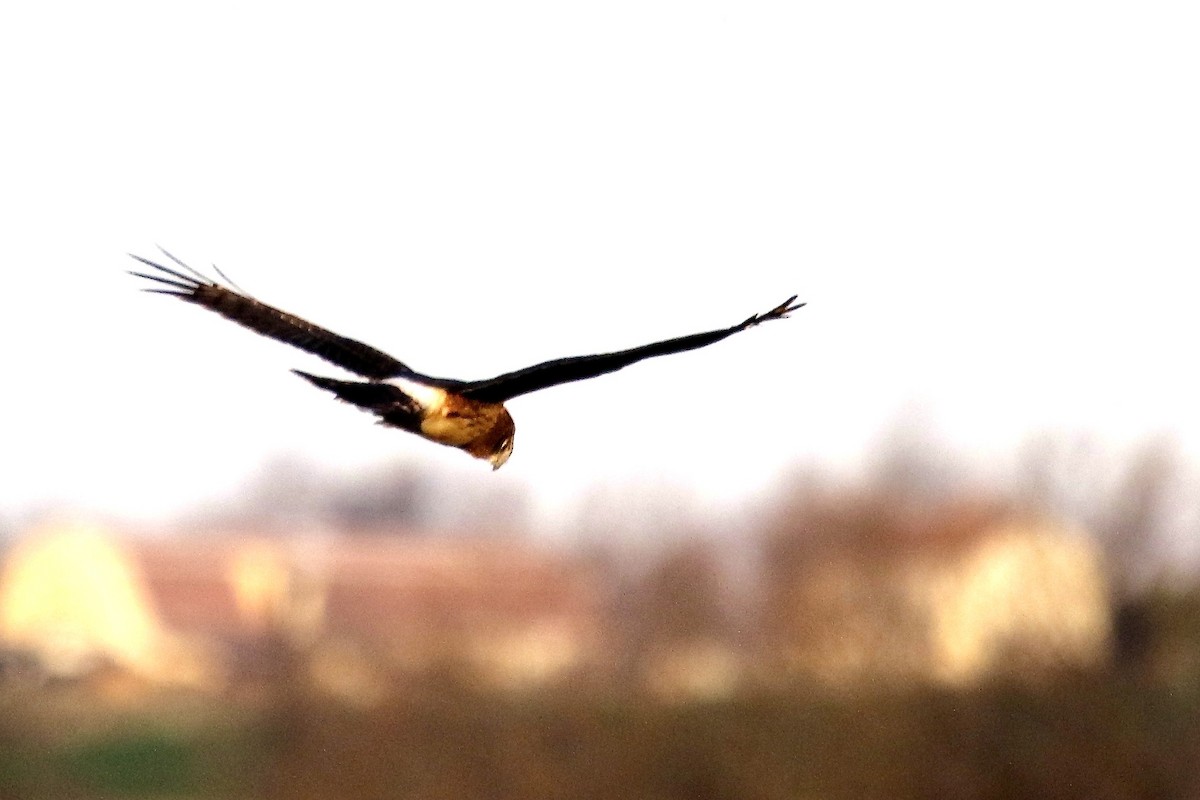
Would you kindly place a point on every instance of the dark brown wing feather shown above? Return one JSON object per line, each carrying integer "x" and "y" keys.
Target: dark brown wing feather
{"x": 261, "y": 318}
{"x": 578, "y": 368}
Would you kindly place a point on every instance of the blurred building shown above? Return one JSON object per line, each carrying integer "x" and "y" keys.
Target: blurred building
{"x": 856, "y": 595}
{"x": 360, "y": 612}
{"x": 75, "y": 601}
{"x": 965, "y": 595}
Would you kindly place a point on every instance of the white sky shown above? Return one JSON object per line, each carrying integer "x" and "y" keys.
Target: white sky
{"x": 991, "y": 208}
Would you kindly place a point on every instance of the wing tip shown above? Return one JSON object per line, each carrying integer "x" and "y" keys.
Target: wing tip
{"x": 328, "y": 384}
{"x": 172, "y": 292}
{"x": 175, "y": 284}
{"x": 780, "y": 311}
{"x": 308, "y": 376}
{"x": 787, "y": 307}
{"x": 791, "y": 305}
{"x": 181, "y": 280}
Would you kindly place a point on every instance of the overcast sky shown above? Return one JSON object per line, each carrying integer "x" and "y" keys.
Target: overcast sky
{"x": 991, "y": 208}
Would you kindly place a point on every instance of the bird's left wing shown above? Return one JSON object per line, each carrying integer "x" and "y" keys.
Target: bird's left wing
{"x": 187, "y": 284}
{"x": 577, "y": 368}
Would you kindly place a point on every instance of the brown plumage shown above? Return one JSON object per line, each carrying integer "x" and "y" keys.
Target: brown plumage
{"x": 469, "y": 415}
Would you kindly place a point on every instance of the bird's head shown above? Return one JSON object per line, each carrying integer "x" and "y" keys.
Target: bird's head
{"x": 507, "y": 430}
{"x": 496, "y": 445}
{"x": 502, "y": 453}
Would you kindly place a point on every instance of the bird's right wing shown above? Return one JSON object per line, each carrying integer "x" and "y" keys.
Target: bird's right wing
{"x": 189, "y": 285}
{"x": 578, "y": 368}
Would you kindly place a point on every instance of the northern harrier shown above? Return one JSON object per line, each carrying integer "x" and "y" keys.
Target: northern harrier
{"x": 469, "y": 415}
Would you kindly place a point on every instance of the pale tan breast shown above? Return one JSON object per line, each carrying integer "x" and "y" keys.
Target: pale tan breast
{"x": 447, "y": 418}
{"x": 456, "y": 421}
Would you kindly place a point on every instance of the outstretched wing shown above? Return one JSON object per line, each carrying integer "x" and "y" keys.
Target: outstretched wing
{"x": 189, "y": 285}
{"x": 578, "y": 368}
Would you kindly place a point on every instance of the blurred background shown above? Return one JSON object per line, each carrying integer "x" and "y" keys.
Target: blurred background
{"x": 937, "y": 535}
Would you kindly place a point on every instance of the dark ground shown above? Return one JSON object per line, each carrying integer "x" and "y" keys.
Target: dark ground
{"x": 1079, "y": 738}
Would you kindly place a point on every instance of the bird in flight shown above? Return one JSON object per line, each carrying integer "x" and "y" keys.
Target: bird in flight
{"x": 469, "y": 415}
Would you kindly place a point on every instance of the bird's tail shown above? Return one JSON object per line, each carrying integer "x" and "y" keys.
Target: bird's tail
{"x": 388, "y": 402}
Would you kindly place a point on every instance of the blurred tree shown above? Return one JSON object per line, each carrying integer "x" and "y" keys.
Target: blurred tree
{"x": 910, "y": 460}
{"x": 1158, "y": 636}
{"x": 1135, "y": 522}
{"x": 1134, "y": 503}
{"x": 386, "y": 498}
{"x": 824, "y": 562}
{"x": 675, "y": 623}
{"x": 389, "y": 498}
{"x": 682, "y": 596}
